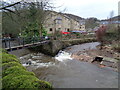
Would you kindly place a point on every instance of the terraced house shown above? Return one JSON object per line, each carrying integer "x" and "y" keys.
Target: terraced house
{"x": 63, "y": 22}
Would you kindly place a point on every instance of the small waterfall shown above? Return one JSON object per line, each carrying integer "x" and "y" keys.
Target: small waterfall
{"x": 62, "y": 56}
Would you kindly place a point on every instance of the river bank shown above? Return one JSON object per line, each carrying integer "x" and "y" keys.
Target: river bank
{"x": 63, "y": 71}
{"x": 110, "y": 57}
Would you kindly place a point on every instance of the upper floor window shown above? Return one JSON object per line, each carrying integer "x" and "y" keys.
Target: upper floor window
{"x": 59, "y": 18}
{"x": 59, "y": 21}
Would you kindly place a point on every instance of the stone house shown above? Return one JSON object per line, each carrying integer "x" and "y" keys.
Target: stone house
{"x": 61, "y": 22}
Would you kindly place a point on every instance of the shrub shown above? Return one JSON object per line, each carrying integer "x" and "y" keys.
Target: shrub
{"x": 17, "y": 71}
{"x": 8, "y": 58}
{"x": 10, "y": 64}
{"x": 37, "y": 84}
{"x": 3, "y": 50}
{"x": 15, "y": 76}
{"x": 24, "y": 81}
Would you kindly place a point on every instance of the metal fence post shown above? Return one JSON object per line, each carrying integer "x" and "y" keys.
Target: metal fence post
{"x": 5, "y": 43}
{"x": 23, "y": 42}
{"x": 9, "y": 42}
{"x": 33, "y": 40}
{"x": 19, "y": 40}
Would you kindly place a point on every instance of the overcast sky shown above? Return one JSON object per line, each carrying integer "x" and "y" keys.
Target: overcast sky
{"x": 88, "y": 8}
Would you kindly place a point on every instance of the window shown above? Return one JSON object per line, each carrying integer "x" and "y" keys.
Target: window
{"x": 68, "y": 29}
{"x": 50, "y": 29}
{"x": 58, "y": 21}
{"x": 59, "y": 29}
{"x": 59, "y": 18}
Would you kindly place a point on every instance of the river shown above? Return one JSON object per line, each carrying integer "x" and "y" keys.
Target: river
{"x": 62, "y": 71}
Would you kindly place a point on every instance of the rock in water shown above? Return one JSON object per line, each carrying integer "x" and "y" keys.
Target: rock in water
{"x": 98, "y": 59}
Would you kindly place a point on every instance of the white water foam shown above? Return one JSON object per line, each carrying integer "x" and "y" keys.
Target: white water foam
{"x": 62, "y": 56}
{"x": 38, "y": 64}
{"x": 25, "y": 64}
{"x": 45, "y": 64}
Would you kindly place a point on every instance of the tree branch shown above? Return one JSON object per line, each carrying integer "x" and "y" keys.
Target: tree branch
{"x": 4, "y": 8}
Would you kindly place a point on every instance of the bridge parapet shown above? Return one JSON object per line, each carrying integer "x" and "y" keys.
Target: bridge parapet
{"x": 17, "y": 43}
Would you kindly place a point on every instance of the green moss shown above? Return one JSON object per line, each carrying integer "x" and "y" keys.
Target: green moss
{"x": 10, "y": 64}
{"x": 8, "y": 58}
{"x": 17, "y": 71}
{"x": 24, "y": 81}
{"x": 15, "y": 76}
{"x": 36, "y": 84}
{"x": 3, "y": 50}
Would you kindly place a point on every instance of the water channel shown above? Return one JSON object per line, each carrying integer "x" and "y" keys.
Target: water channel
{"x": 64, "y": 72}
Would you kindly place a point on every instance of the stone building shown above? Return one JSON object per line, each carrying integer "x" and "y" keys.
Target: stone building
{"x": 62, "y": 22}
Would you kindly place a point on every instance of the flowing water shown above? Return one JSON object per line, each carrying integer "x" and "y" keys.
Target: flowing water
{"x": 64, "y": 72}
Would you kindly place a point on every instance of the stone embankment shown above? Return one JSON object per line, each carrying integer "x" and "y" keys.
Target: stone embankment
{"x": 53, "y": 47}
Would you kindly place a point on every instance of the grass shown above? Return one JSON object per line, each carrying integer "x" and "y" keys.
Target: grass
{"x": 15, "y": 76}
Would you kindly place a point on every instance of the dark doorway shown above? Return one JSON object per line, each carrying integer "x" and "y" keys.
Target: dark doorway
{"x": 68, "y": 29}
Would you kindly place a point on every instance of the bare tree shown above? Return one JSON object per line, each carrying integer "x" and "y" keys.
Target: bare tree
{"x": 29, "y": 11}
{"x": 100, "y": 33}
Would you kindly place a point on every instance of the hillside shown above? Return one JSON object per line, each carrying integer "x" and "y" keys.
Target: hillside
{"x": 116, "y": 18}
{"x": 75, "y": 17}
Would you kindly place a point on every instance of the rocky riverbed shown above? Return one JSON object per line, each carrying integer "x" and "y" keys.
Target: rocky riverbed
{"x": 110, "y": 57}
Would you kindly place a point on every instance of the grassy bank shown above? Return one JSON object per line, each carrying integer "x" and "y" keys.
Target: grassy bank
{"x": 15, "y": 76}
{"x": 77, "y": 41}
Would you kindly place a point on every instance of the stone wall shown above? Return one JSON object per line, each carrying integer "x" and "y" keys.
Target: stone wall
{"x": 53, "y": 47}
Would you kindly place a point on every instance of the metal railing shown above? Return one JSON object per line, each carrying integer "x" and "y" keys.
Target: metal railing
{"x": 8, "y": 42}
